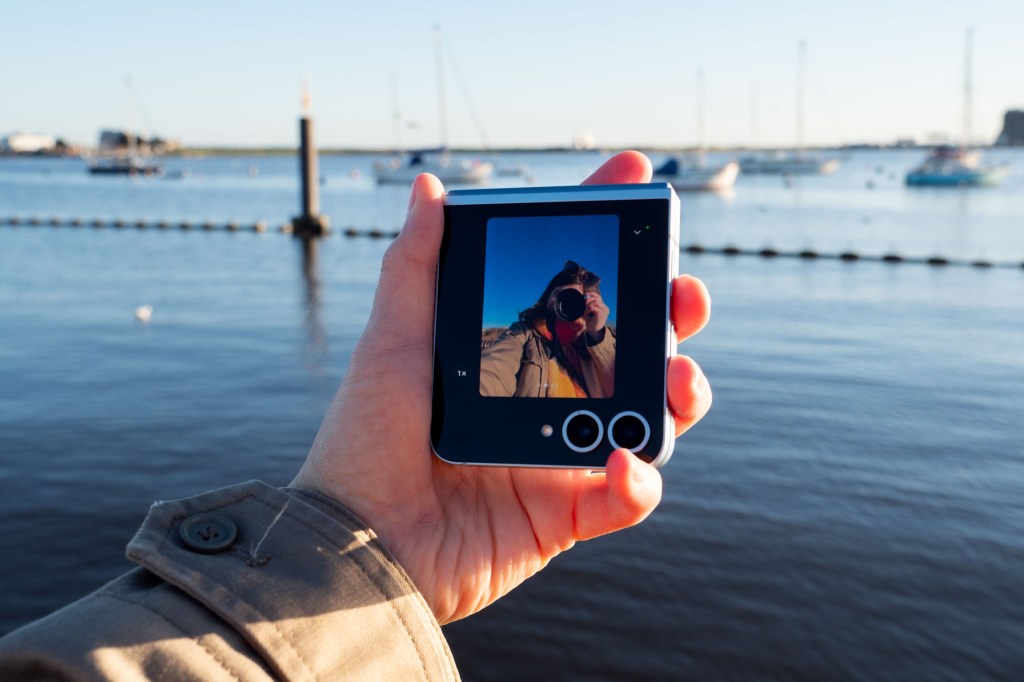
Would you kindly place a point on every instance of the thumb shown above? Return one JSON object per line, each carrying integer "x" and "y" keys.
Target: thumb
{"x": 628, "y": 491}
{"x": 403, "y": 309}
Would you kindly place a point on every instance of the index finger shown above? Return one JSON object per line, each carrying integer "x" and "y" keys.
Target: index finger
{"x": 623, "y": 168}
{"x": 691, "y": 306}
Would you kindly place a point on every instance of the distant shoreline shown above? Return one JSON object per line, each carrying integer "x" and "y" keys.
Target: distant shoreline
{"x": 193, "y": 152}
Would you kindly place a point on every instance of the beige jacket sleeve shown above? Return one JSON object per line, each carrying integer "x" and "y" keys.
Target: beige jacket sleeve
{"x": 263, "y": 584}
{"x": 500, "y": 363}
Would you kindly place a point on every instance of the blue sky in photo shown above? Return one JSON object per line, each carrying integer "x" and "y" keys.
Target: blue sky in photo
{"x": 523, "y": 254}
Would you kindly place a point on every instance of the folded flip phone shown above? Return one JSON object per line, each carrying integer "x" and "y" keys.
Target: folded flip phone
{"x": 552, "y": 331}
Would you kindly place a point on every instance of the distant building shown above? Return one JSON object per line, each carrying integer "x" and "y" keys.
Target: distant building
{"x": 27, "y": 143}
{"x": 1013, "y": 129}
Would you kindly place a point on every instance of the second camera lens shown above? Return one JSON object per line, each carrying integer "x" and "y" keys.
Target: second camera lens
{"x": 629, "y": 430}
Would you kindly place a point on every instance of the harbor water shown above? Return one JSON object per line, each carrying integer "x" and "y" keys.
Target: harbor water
{"x": 852, "y": 507}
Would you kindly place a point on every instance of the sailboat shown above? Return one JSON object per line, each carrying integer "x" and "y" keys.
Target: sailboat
{"x": 948, "y": 166}
{"x": 129, "y": 162}
{"x": 694, "y": 174}
{"x": 440, "y": 162}
{"x": 799, "y": 162}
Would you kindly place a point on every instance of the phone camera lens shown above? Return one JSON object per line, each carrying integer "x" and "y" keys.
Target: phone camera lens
{"x": 629, "y": 430}
{"x": 570, "y": 305}
{"x": 582, "y": 431}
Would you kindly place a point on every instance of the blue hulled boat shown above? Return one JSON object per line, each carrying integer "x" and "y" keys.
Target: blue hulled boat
{"x": 954, "y": 167}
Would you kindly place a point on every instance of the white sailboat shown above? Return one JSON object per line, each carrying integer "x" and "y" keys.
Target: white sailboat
{"x": 439, "y": 162}
{"x": 128, "y": 162}
{"x": 693, "y": 173}
{"x": 798, "y": 162}
{"x": 685, "y": 174}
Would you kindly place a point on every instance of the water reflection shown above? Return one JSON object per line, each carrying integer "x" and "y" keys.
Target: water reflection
{"x": 316, "y": 352}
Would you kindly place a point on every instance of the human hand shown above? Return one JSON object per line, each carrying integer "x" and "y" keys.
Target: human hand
{"x": 596, "y": 314}
{"x": 468, "y": 535}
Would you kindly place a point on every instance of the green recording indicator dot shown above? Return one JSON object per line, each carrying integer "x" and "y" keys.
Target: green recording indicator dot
{"x": 647, "y": 227}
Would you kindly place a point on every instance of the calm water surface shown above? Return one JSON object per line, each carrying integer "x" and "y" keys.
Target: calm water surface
{"x": 851, "y": 508}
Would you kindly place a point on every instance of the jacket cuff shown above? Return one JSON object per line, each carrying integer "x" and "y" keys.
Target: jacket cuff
{"x": 301, "y": 578}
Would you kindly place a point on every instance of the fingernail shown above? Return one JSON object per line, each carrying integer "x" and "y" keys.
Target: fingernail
{"x": 412, "y": 195}
{"x": 700, "y": 383}
{"x": 641, "y": 474}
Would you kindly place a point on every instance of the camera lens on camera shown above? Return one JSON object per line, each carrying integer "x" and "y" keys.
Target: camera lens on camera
{"x": 570, "y": 305}
{"x": 582, "y": 431}
{"x": 629, "y": 430}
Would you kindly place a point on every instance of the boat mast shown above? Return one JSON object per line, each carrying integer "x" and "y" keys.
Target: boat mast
{"x": 753, "y": 114}
{"x": 396, "y": 114}
{"x": 965, "y": 140}
{"x": 701, "y": 151}
{"x": 801, "y": 56}
{"x": 442, "y": 114}
{"x": 130, "y": 141}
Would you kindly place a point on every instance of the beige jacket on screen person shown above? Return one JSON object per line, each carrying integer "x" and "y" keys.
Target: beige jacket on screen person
{"x": 518, "y": 364}
{"x": 261, "y": 584}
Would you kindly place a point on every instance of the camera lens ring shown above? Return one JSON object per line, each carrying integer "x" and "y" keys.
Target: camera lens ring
{"x": 643, "y": 422}
{"x": 587, "y": 447}
{"x": 570, "y": 305}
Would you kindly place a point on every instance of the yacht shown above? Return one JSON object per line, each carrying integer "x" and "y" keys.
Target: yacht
{"x": 788, "y": 164}
{"x": 949, "y": 166}
{"x": 131, "y": 166}
{"x": 688, "y": 175}
{"x": 449, "y": 170}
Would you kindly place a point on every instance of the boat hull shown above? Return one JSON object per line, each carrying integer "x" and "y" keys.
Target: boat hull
{"x": 452, "y": 173}
{"x": 789, "y": 166}
{"x": 131, "y": 168}
{"x": 976, "y": 178}
{"x": 714, "y": 179}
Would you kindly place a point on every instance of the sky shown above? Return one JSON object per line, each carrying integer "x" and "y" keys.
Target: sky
{"x": 523, "y": 254}
{"x": 525, "y": 73}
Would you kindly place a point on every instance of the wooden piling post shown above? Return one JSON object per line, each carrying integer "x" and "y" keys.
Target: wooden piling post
{"x": 310, "y": 223}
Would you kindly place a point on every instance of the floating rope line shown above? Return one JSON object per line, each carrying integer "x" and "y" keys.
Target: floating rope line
{"x": 729, "y": 250}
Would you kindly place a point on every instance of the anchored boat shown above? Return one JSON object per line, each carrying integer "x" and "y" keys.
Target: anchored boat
{"x": 954, "y": 167}
{"x": 686, "y": 175}
{"x": 448, "y": 169}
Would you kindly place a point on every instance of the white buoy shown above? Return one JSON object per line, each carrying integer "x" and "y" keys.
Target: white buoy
{"x": 143, "y": 313}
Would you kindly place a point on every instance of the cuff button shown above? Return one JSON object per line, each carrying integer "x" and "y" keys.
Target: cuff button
{"x": 208, "y": 533}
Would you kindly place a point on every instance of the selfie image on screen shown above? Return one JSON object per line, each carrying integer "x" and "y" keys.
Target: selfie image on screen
{"x": 550, "y": 287}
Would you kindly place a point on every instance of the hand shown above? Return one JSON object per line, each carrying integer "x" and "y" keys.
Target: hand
{"x": 468, "y": 535}
{"x": 596, "y": 315}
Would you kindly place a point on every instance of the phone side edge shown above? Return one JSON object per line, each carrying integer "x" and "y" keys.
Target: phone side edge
{"x": 671, "y": 341}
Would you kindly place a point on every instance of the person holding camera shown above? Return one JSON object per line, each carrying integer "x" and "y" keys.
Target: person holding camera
{"x": 561, "y": 347}
{"x": 349, "y": 572}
